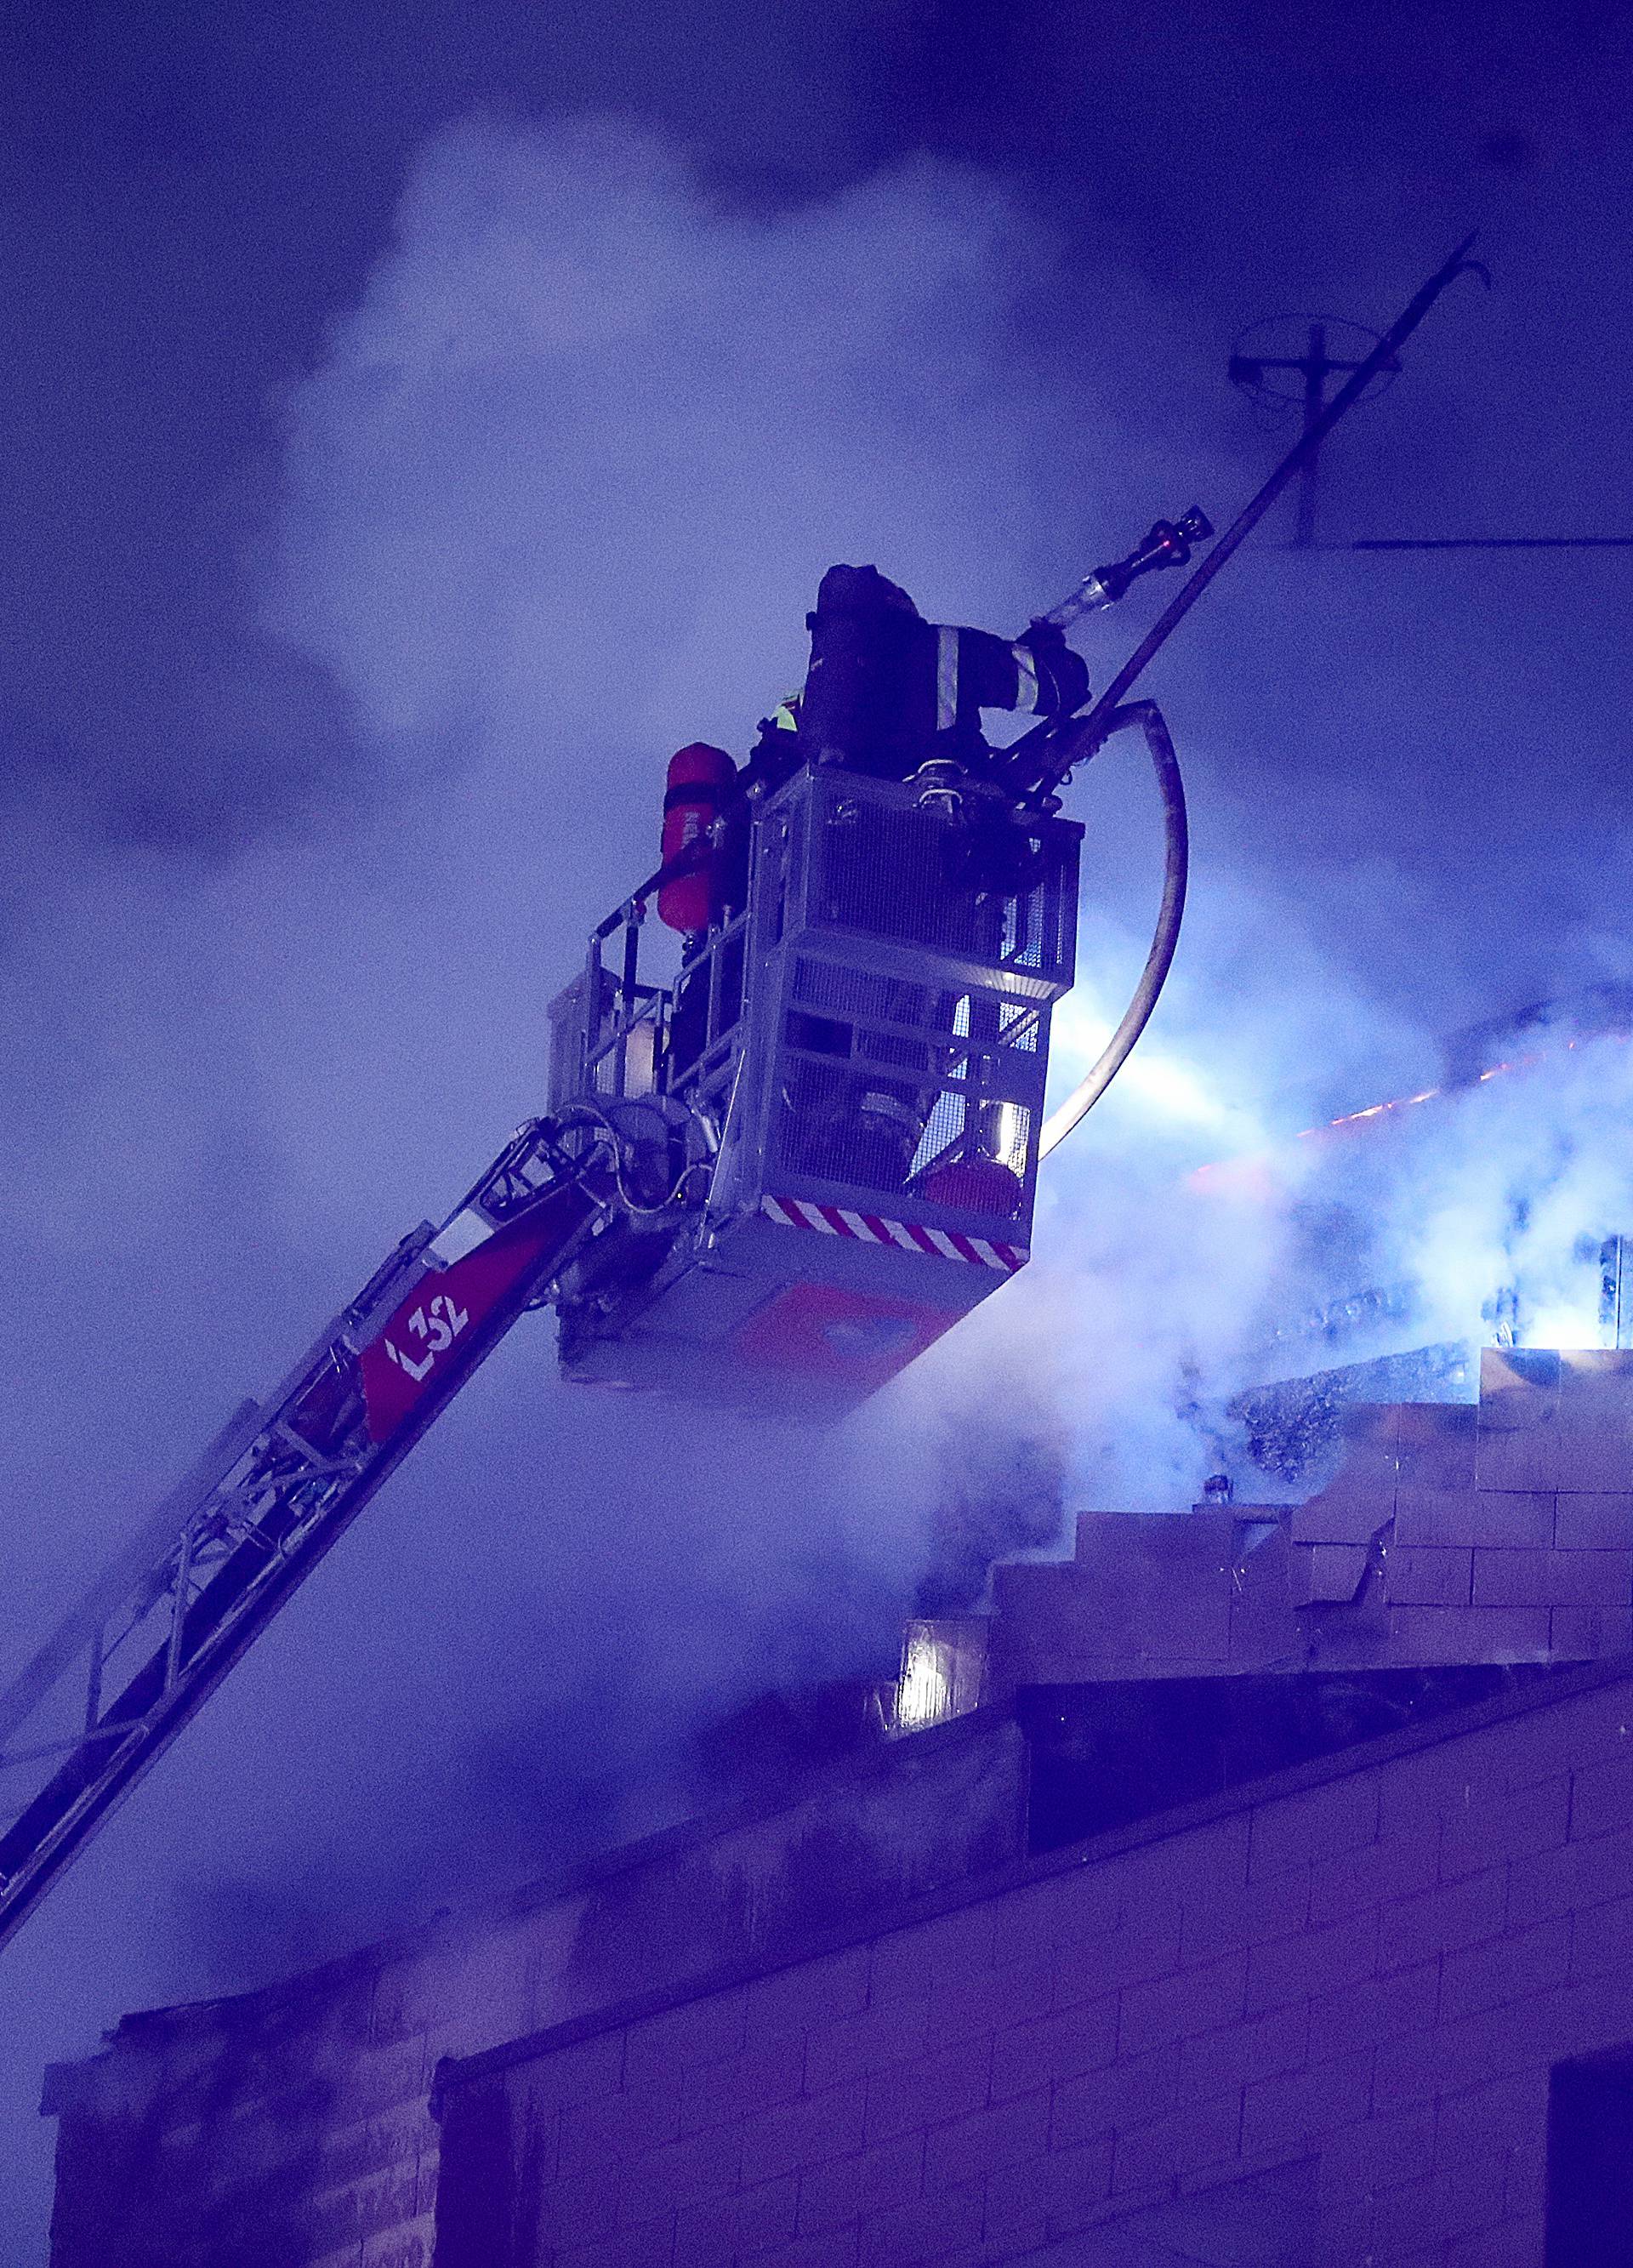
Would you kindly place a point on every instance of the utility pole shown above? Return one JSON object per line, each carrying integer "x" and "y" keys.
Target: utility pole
{"x": 1312, "y": 369}
{"x": 1301, "y": 377}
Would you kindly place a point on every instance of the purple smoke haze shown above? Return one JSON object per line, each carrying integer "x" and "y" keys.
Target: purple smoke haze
{"x": 284, "y": 903}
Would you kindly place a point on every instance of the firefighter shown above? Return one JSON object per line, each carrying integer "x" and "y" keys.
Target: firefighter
{"x": 887, "y": 691}
{"x": 895, "y": 696}
{"x": 886, "y": 694}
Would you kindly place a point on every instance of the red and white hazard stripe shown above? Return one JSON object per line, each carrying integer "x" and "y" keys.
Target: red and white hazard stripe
{"x": 868, "y": 1228}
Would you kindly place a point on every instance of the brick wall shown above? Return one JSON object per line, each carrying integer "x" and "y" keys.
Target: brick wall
{"x": 1501, "y": 1532}
{"x": 1336, "y": 2005}
{"x": 290, "y": 2129}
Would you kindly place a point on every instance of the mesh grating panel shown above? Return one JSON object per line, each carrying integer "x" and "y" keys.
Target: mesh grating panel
{"x": 880, "y": 1135}
{"x": 958, "y": 1127}
{"x": 882, "y": 1080}
{"x": 855, "y": 992}
{"x": 885, "y": 871}
{"x": 846, "y": 992}
{"x": 892, "y": 870}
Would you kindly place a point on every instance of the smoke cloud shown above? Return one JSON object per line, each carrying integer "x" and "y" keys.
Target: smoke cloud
{"x": 556, "y": 500}
{"x": 1502, "y": 1197}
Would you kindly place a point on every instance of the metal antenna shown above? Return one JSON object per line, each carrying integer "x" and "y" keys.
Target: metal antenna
{"x": 1078, "y": 738}
{"x": 1313, "y": 369}
{"x": 1492, "y": 543}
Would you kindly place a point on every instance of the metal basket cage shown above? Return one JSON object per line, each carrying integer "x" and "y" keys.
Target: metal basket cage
{"x": 861, "y": 1023}
{"x": 870, "y": 863}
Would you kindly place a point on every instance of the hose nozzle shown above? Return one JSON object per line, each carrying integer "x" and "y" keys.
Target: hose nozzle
{"x": 1168, "y": 545}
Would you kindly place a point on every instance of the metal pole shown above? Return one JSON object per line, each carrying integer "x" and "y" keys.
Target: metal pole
{"x": 1315, "y": 368}
{"x": 1492, "y": 543}
{"x": 183, "y": 1599}
{"x": 1079, "y": 739}
{"x": 93, "y": 1682}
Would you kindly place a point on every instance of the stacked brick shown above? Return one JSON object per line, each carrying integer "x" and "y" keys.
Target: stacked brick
{"x": 289, "y": 2127}
{"x": 1504, "y": 1532}
{"x": 1334, "y": 2006}
{"x": 1452, "y": 1533}
{"x": 1343, "y": 1997}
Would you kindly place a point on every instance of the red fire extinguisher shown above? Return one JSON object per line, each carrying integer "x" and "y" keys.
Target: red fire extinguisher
{"x": 700, "y": 786}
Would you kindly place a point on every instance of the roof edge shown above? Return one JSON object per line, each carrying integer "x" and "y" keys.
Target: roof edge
{"x": 1566, "y": 1684}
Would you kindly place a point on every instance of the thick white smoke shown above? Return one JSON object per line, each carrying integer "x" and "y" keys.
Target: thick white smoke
{"x": 560, "y": 499}
{"x": 1147, "y": 1303}
{"x": 1476, "y": 1208}
{"x": 556, "y": 501}
{"x": 571, "y": 472}
{"x": 1504, "y": 1194}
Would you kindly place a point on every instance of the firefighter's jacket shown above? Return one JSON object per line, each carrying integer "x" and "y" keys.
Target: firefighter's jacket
{"x": 886, "y": 689}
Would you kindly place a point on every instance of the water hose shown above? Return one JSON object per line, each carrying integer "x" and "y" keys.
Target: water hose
{"x": 1082, "y": 1098}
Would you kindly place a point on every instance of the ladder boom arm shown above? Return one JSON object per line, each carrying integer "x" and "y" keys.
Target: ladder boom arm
{"x": 207, "y": 1571}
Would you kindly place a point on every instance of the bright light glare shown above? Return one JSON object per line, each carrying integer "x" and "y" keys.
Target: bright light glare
{"x": 924, "y": 1694}
{"x": 1166, "y": 1087}
{"x": 1567, "y": 1328}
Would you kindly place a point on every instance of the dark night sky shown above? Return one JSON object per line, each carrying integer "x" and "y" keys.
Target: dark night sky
{"x": 1417, "y": 764}
{"x": 187, "y": 214}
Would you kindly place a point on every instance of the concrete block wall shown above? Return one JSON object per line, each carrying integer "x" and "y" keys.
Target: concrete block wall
{"x": 1334, "y": 2006}
{"x": 290, "y": 2129}
{"x": 1501, "y": 1532}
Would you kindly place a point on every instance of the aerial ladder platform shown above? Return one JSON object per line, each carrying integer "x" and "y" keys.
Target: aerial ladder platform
{"x": 778, "y": 1161}
{"x": 788, "y": 1141}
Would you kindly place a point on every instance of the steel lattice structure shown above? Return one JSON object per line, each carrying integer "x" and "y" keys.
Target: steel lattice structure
{"x": 150, "y": 1642}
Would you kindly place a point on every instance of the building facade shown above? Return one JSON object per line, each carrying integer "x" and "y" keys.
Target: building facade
{"x": 1252, "y": 1888}
{"x": 1320, "y": 2024}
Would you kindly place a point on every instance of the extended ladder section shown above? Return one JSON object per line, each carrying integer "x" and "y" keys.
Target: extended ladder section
{"x": 110, "y": 1689}
{"x": 775, "y": 1171}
